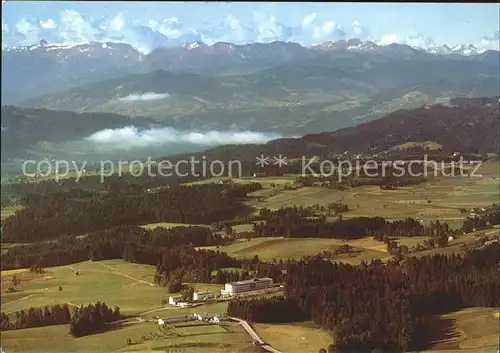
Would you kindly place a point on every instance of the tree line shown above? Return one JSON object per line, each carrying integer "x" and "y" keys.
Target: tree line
{"x": 172, "y": 251}
{"x": 122, "y": 243}
{"x": 79, "y": 212}
{"x": 92, "y": 319}
{"x": 298, "y": 222}
{"x": 82, "y": 320}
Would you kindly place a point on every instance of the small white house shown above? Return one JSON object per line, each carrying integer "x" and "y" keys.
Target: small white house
{"x": 450, "y": 239}
{"x": 203, "y": 317}
{"x": 215, "y": 320}
{"x": 161, "y": 322}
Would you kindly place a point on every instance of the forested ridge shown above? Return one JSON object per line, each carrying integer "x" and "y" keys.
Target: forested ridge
{"x": 49, "y": 216}
{"x": 467, "y": 125}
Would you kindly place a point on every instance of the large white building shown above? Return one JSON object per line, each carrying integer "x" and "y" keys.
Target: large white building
{"x": 256, "y": 284}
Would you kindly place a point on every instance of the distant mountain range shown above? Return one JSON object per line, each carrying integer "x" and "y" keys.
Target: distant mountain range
{"x": 28, "y": 71}
{"x": 65, "y": 94}
{"x": 306, "y": 93}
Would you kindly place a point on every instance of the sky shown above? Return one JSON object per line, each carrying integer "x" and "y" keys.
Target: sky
{"x": 147, "y": 25}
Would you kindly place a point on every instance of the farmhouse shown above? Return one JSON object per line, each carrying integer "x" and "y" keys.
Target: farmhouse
{"x": 202, "y": 295}
{"x": 207, "y": 318}
{"x": 256, "y": 284}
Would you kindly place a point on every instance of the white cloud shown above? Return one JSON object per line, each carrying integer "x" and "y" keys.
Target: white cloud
{"x": 309, "y": 19}
{"x": 330, "y": 30}
{"x": 27, "y": 30}
{"x": 131, "y": 137}
{"x": 49, "y": 24}
{"x": 170, "y": 27}
{"x": 419, "y": 41}
{"x": 489, "y": 42}
{"x": 357, "y": 30}
{"x": 117, "y": 23}
{"x": 75, "y": 29}
{"x": 388, "y": 39}
{"x": 72, "y": 28}
{"x": 148, "y": 96}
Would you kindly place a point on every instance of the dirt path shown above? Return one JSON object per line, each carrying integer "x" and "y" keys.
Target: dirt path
{"x": 69, "y": 303}
{"x": 18, "y": 300}
{"x": 158, "y": 309}
{"x": 115, "y": 271}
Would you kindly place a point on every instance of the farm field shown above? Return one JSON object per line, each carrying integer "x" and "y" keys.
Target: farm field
{"x": 455, "y": 246}
{"x": 296, "y": 248}
{"x": 170, "y": 225}
{"x": 440, "y": 198}
{"x": 294, "y": 338}
{"x": 447, "y": 195}
{"x": 9, "y": 211}
{"x": 364, "y": 249}
{"x": 468, "y": 330}
{"x": 202, "y": 338}
{"x": 114, "y": 282}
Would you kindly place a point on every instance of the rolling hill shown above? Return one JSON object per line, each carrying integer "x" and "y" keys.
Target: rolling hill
{"x": 319, "y": 94}
{"x": 466, "y": 125}
{"x": 39, "y": 133}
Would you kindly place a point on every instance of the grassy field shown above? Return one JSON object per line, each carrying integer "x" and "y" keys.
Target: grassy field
{"x": 114, "y": 282}
{"x": 282, "y": 248}
{"x": 198, "y": 338}
{"x": 455, "y": 246}
{"x": 9, "y": 211}
{"x": 447, "y": 195}
{"x": 468, "y": 330}
{"x": 170, "y": 225}
{"x": 364, "y": 249}
{"x": 294, "y": 338}
{"x": 431, "y": 145}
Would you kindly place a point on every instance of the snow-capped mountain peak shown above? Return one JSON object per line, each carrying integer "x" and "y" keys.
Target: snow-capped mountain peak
{"x": 352, "y": 45}
{"x": 194, "y": 45}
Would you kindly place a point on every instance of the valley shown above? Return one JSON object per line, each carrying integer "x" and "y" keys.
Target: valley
{"x": 228, "y": 181}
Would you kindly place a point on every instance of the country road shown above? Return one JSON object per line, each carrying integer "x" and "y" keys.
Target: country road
{"x": 256, "y": 339}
